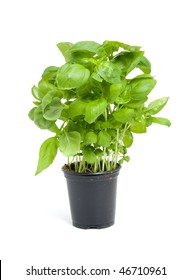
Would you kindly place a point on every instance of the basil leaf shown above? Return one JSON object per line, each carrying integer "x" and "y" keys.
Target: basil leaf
{"x": 76, "y": 108}
{"x": 47, "y": 153}
{"x": 114, "y": 91}
{"x": 109, "y": 72}
{"x": 94, "y": 109}
{"x": 144, "y": 65}
{"x": 39, "y": 119}
{"x": 124, "y": 115}
{"x": 65, "y": 47}
{"x": 34, "y": 91}
{"x": 90, "y": 138}
{"x": 140, "y": 88}
{"x": 69, "y": 143}
{"x": 72, "y": 76}
{"x": 49, "y": 71}
{"x": 157, "y": 105}
{"x": 138, "y": 126}
{"x": 54, "y": 111}
{"x": 162, "y": 121}
{"x": 31, "y": 113}
{"x": 113, "y": 46}
{"x": 104, "y": 139}
{"x": 127, "y": 61}
{"x": 47, "y": 99}
{"x": 89, "y": 155}
{"x": 128, "y": 139}
{"x": 44, "y": 87}
{"x": 89, "y": 46}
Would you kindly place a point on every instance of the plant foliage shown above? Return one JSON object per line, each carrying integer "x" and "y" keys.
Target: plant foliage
{"x": 92, "y": 105}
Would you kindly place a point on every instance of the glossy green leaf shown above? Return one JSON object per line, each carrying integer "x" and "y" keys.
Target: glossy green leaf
{"x": 127, "y": 61}
{"x": 109, "y": 72}
{"x": 34, "y": 91}
{"x": 128, "y": 139}
{"x": 114, "y": 91}
{"x": 124, "y": 115}
{"x": 94, "y": 109}
{"x": 76, "y": 108}
{"x": 54, "y": 111}
{"x": 96, "y": 77}
{"x": 138, "y": 126}
{"x": 104, "y": 139}
{"x": 31, "y": 113}
{"x": 144, "y": 65}
{"x": 89, "y": 155}
{"x": 72, "y": 76}
{"x": 157, "y": 105}
{"x": 113, "y": 46}
{"x": 88, "y": 46}
{"x": 44, "y": 87}
{"x": 47, "y": 99}
{"x": 69, "y": 143}
{"x": 49, "y": 71}
{"x": 140, "y": 88}
{"x": 90, "y": 138}
{"x": 162, "y": 121}
{"x": 65, "y": 47}
{"x": 39, "y": 119}
{"x": 47, "y": 153}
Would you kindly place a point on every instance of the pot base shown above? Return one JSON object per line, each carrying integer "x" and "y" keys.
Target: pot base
{"x": 93, "y": 226}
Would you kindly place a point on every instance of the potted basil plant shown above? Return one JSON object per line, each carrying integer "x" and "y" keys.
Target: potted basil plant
{"x": 94, "y": 104}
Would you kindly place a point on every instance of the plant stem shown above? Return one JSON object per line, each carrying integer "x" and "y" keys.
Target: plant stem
{"x": 116, "y": 149}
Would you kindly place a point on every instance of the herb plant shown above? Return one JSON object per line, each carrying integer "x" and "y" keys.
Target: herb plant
{"x": 93, "y": 106}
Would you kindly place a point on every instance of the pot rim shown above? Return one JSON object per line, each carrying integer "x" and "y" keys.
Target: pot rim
{"x": 71, "y": 172}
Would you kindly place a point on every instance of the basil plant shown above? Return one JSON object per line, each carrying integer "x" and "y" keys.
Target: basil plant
{"x": 94, "y": 105}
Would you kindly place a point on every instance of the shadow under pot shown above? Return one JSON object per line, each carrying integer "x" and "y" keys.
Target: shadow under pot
{"x": 92, "y": 198}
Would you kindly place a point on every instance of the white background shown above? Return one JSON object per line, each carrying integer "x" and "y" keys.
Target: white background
{"x": 153, "y": 204}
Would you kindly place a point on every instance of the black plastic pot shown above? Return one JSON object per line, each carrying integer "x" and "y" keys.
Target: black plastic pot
{"x": 92, "y": 198}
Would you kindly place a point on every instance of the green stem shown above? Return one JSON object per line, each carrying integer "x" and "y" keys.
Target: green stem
{"x": 116, "y": 150}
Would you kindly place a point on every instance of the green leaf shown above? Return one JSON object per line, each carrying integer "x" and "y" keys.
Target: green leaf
{"x": 94, "y": 109}
{"x": 90, "y": 138}
{"x": 65, "y": 47}
{"x": 109, "y": 72}
{"x": 103, "y": 139}
{"x": 44, "y": 87}
{"x": 47, "y": 99}
{"x": 76, "y": 108}
{"x": 124, "y": 115}
{"x": 136, "y": 103}
{"x": 49, "y": 71}
{"x": 115, "y": 91}
{"x": 31, "y": 113}
{"x": 96, "y": 77}
{"x": 85, "y": 46}
{"x": 54, "y": 111}
{"x": 34, "y": 91}
{"x": 162, "y": 121}
{"x": 157, "y": 105}
{"x": 72, "y": 76}
{"x": 40, "y": 121}
{"x": 128, "y": 139}
{"x": 113, "y": 46}
{"x": 138, "y": 126}
{"x": 69, "y": 143}
{"x": 144, "y": 65}
{"x": 140, "y": 88}
{"x": 127, "y": 61}
{"x": 89, "y": 155}
{"x": 47, "y": 153}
